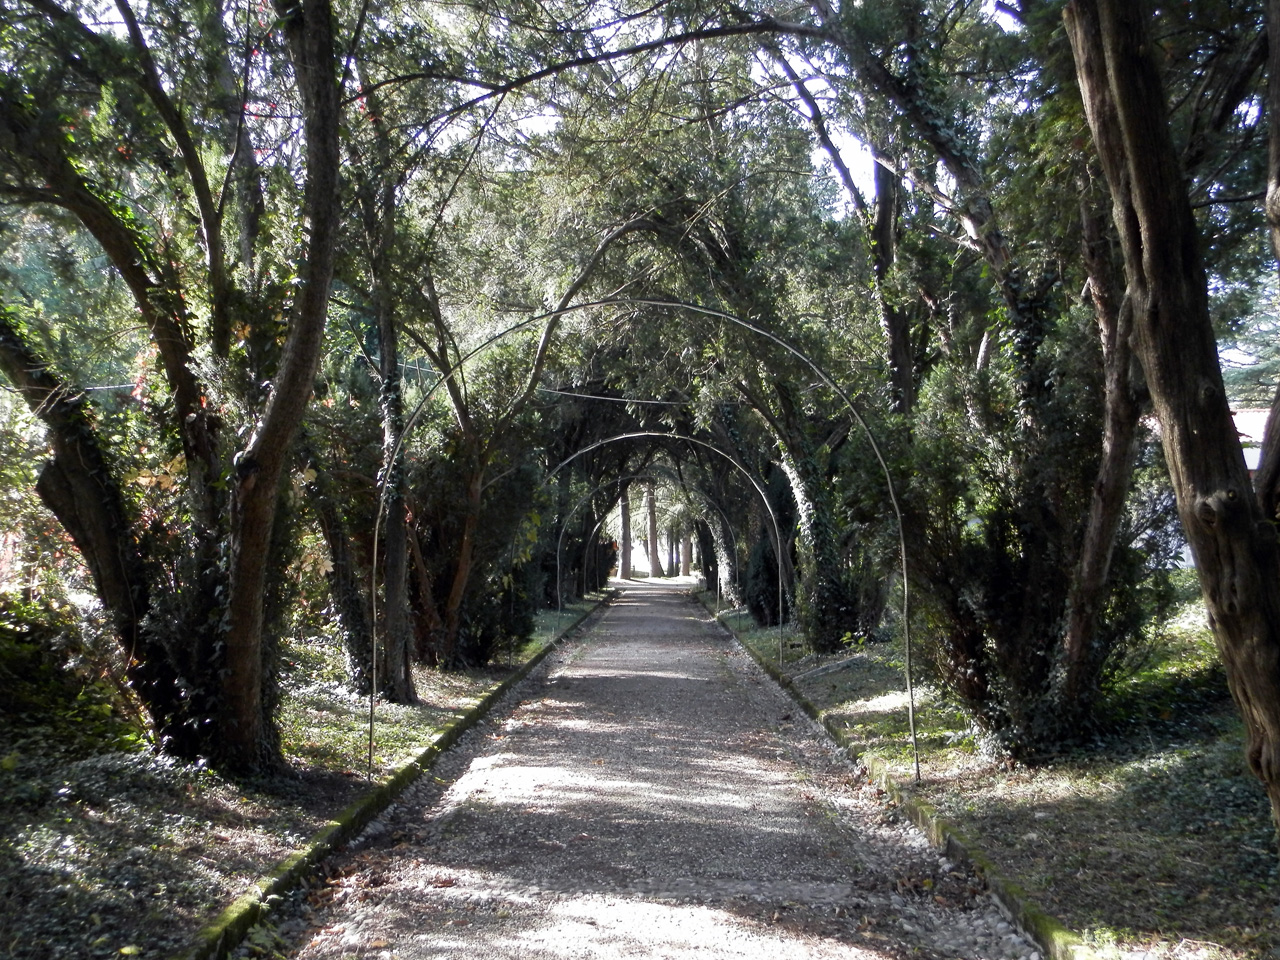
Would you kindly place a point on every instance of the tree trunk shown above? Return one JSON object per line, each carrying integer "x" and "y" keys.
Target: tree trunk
{"x": 686, "y": 554}
{"x": 428, "y": 628}
{"x": 826, "y": 611}
{"x": 708, "y": 555}
{"x": 247, "y": 741}
{"x": 727, "y": 564}
{"x": 78, "y": 488}
{"x": 1114, "y": 314}
{"x": 827, "y": 607}
{"x": 624, "y": 540}
{"x": 346, "y": 584}
{"x": 462, "y": 572}
{"x": 893, "y": 320}
{"x": 1267, "y": 478}
{"x": 395, "y": 679}
{"x": 651, "y": 506}
{"x": 1233, "y": 543}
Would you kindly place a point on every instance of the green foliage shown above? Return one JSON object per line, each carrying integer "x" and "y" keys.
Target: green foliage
{"x": 1251, "y": 366}
{"x": 59, "y": 695}
{"x": 497, "y": 618}
{"x": 466, "y": 213}
{"x": 761, "y": 590}
{"x": 997, "y": 519}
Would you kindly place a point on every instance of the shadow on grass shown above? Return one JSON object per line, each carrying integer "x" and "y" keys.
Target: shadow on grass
{"x": 1155, "y": 836}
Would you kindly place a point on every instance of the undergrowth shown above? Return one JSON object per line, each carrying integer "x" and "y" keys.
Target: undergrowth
{"x": 108, "y": 849}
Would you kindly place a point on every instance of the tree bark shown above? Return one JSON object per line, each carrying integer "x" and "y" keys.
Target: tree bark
{"x": 651, "y": 508}
{"x": 150, "y": 282}
{"x": 1233, "y": 543}
{"x": 248, "y": 743}
{"x": 462, "y": 571}
{"x": 624, "y": 540}
{"x": 78, "y": 488}
{"x": 828, "y": 608}
{"x": 378, "y": 197}
{"x": 346, "y": 584}
{"x": 395, "y": 676}
{"x": 1266, "y": 479}
{"x": 1121, "y": 410}
{"x": 428, "y": 628}
{"x": 893, "y": 320}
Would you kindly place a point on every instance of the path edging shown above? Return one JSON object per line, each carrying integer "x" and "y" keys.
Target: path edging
{"x": 223, "y": 934}
{"x": 1051, "y": 935}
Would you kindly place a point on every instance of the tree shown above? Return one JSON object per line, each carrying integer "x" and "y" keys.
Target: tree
{"x": 1232, "y": 540}
{"x": 71, "y": 129}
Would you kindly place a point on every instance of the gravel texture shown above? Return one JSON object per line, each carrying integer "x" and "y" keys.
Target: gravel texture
{"x": 647, "y": 793}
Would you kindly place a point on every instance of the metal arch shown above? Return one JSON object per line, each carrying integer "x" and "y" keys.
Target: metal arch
{"x": 747, "y": 325}
{"x": 875, "y": 447}
{"x": 382, "y": 497}
{"x": 395, "y": 455}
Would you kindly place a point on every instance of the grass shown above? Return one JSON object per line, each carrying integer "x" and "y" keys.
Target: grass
{"x": 1153, "y": 842}
{"x": 325, "y": 726}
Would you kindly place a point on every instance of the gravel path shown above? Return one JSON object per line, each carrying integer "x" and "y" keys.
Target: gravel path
{"x": 648, "y": 793}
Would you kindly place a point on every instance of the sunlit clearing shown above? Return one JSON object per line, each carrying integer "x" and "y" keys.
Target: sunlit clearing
{"x": 888, "y": 703}
{"x": 615, "y": 673}
{"x": 636, "y": 928}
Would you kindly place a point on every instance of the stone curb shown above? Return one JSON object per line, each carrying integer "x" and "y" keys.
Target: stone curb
{"x": 1054, "y": 939}
{"x": 218, "y": 938}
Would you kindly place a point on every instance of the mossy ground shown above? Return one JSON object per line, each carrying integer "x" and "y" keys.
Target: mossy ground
{"x": 1154, "y": 841}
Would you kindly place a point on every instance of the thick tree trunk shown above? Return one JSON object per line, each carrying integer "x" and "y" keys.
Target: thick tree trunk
{"x": 247, "y": 741}
{"x": 624, "y": 541}
{"x": 827, "y": 608}
{"x": 826, "y": 611}
{"x": 1233, "y": 543}
{"x": 78, "y": 488}
{"x": 150, "y": 281}
{"x": 686, "y": 553}
{"x": 708, "y": 555}
{"x": 727, "y": 562}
